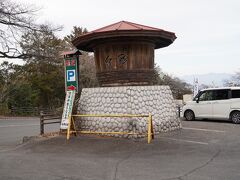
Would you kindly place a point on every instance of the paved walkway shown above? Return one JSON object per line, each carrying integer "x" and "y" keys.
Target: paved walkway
{"x": 202, "y": 150}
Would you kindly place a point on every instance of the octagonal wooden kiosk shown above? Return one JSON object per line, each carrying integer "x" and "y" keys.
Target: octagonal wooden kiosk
{"x": 124, "y": 52}
{"x": 124, "y": 58}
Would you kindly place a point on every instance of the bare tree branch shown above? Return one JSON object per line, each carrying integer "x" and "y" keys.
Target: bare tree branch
{"x": 16, "y": 20}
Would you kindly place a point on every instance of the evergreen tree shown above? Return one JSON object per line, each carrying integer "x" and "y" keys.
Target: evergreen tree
{"x": 44, "y": 68}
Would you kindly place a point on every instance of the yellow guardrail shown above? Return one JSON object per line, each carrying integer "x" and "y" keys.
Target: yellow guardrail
{"x": 71, "y": 124}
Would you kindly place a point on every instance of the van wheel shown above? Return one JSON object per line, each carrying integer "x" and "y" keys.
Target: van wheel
{"x": 189, "y": 115}
{"x": 235, "y": 117}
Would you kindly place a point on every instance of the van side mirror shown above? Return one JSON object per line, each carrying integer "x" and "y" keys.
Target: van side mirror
{"x": 197, "y": 100}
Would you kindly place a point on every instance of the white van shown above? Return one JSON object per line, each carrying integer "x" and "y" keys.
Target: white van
{"x": 215, "y": 103}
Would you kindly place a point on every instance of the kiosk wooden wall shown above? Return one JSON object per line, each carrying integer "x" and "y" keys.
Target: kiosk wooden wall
{"x": 124, "y": 63}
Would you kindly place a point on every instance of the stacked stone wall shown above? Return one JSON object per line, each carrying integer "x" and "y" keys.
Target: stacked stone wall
{"x": 157, "y": 100}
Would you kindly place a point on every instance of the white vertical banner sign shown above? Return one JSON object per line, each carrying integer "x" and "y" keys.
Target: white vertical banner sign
{"x": 67, "y": 110}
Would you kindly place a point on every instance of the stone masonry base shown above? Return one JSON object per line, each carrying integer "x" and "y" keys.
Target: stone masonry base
{"x": 157, "y": 100}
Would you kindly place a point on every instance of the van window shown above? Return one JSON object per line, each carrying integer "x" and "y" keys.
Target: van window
{"x": 235, "y": 93}
{"x": 206, "y": 96}
{"x": 220, "y": 94}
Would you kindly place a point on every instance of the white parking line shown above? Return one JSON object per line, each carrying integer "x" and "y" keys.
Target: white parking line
{"x": 14, "y": 125}
{"x": 206, "y": 130}
{"x": 183, "y": 140}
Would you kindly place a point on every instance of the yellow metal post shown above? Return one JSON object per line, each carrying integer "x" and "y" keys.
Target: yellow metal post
{"x": 74, "y": 127}
{"x": 149, "y": 129}
{"x": 69, "y": 127}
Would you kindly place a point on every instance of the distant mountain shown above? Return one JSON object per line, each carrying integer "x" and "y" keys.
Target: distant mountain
{"x": 210, "y": 79}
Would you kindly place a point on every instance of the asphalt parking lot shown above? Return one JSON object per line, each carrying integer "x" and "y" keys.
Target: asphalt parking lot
{"x": 201, "y": 150}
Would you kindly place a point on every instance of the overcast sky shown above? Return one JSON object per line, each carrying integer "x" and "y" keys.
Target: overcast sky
{"x": 208, "y": 31}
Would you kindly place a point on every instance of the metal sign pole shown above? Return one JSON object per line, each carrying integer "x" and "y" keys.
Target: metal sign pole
{"x": 71, "y": 67}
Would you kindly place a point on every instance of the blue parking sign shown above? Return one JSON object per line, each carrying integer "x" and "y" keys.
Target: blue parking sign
{"x": 71, "y": 75}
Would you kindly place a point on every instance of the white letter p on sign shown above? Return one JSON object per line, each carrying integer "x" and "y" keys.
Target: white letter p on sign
{"x": 71, "y": 75}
